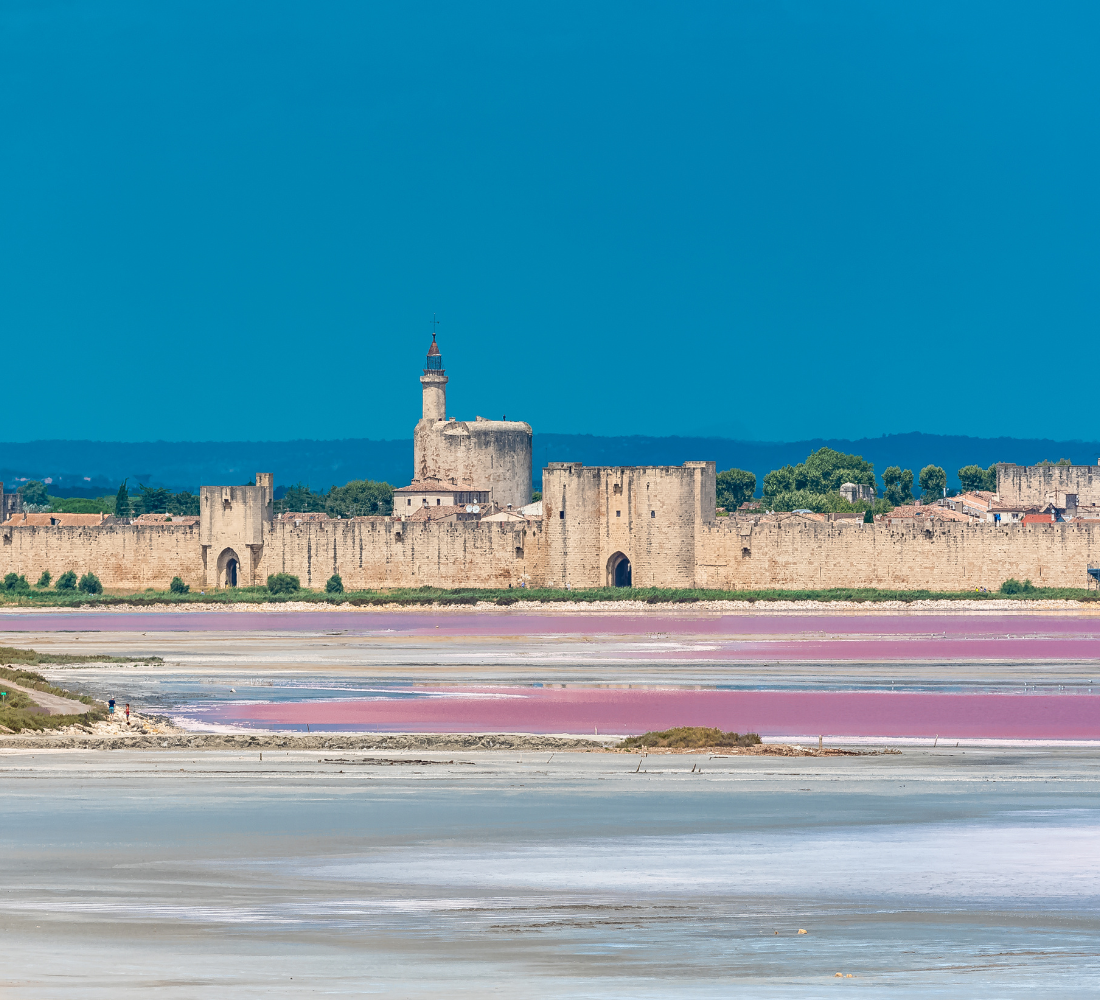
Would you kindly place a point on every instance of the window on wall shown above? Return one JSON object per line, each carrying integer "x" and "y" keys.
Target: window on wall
{"x": 561, "y": 514}
{"x": 653, "y": 513}
{"x": 618, "y": 513}
{"x": 438, "y": 502}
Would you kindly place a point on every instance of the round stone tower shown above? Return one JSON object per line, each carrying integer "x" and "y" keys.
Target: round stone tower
{"x": 493, "y": 455}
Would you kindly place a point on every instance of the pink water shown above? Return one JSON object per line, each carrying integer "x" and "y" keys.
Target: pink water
{"x": 719, "y": 637}
{"x": 583, "y": 710}
{"x": 660, "y": 637}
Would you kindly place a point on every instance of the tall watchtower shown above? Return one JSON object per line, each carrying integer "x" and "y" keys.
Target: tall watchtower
{"x": 489, "y": 455}
{"x": 434, "y": 380}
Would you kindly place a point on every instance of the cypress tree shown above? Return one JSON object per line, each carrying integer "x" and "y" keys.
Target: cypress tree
{"x": 122, "y": 501}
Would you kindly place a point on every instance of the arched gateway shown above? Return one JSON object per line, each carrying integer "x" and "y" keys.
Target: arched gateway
{"x": 228, "y": 565}
{"x": 618, "y": 571}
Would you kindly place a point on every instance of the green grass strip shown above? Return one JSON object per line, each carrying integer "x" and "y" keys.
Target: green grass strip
{"x": 438, "y": 596}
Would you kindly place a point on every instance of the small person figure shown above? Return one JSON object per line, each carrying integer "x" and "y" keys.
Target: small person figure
{"x": 127, "y": 713}
{"x": 111, "y": 706}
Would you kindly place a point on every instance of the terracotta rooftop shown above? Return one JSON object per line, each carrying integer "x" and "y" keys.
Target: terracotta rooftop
{"x": 176, "y": 520}
{"x": 932, "y": 512}
{"x": 56, "y": 520}
{"x": 443, "y": 513}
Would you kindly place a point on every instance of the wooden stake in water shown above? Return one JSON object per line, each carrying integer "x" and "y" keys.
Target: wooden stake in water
{"x": 819, "y": 739}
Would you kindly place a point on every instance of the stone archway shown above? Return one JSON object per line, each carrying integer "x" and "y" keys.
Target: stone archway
{"x": 229, "y": 568}
{"x": 618, "y": 571}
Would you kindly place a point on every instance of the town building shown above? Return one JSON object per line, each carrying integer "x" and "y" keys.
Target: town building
{"x": 857, "y": 492}
{"x": 435, "y": 492}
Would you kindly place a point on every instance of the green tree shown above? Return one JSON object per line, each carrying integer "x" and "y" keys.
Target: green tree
{"x": 1061, "y": 461}
{"x": 66, "y": 581}
{"x": 184, "y": 503}
{"x": 359, "y": 498}
{"x": 868, "y": 516}
{"x": 334, "y": 585}
{"x": 14, "y": 582}
{"x": 823, "y": 472}
{"x": 283, "y": 583}
{"x": 44, "y": 579}
{"x": 177, "y": 586}
{"x": 536, "y": 495}
{"x": 82, "y": 505}
{"x": 972, "y": 477}
{"x": 154, "y": 499}
{"x": 302, "y": 500}
{"x": 89, "y": 584}
{"x": 35, "y": 493}
{"x": 122, "y": 501}
{"x": 735, "y": 487}
{"x": 898, "y": 485}
{"x": 933, "y": 481}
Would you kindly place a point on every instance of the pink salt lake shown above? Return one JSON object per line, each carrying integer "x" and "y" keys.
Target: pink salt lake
{"x": 739, "y": 640}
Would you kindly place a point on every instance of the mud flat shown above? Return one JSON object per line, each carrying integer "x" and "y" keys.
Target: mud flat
{"x": 187, "y": 875}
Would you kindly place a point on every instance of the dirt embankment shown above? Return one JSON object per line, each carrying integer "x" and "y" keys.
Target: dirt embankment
{"x": 176, "y": 740}
{"x": 147, "y": 738}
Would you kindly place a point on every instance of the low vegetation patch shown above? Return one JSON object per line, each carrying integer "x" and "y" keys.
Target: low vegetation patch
{"x": 18, "y": 711}
{"x": 11, "y": 655}
{"x": 283, "y": 587}
{"x": 688, "y": 737}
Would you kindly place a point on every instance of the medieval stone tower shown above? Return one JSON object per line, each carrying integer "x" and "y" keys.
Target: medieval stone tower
{"x": 488, "y": 454}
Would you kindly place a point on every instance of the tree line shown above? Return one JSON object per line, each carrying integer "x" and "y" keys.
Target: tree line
{"x": 815, "y": 484}
{"x": 359, "y": 498}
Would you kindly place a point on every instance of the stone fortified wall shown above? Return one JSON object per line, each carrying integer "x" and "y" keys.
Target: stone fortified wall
{"x": 738, "y": 554}
{"x": 660, "y": 518}
{"x": 123, "y": 556}
{"x": 372, "y": 552}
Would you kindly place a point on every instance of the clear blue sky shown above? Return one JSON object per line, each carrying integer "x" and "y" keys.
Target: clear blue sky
{"x": 764, "y": 220}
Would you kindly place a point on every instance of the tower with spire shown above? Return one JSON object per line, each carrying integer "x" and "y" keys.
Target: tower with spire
{"x": 434, "y": 380}
{"x": 488, "y": 456}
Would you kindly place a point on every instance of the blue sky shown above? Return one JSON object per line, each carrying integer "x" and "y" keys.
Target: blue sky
{"x": 767, "y": 220}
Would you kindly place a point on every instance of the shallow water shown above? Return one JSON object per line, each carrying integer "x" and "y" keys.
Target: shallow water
{"x": 857, "y": 676}
{"x": 924, "y": 874}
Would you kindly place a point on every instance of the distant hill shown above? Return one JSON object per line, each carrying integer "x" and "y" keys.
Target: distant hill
{"x": 92, "y": 468}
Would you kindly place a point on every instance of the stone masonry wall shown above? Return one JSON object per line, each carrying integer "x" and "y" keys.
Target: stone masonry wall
{"x": 797, "y": 554}
{"x": 129, "y": 557}
{"x": 367, "y": 552}
{"x": 371, "y": 552}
